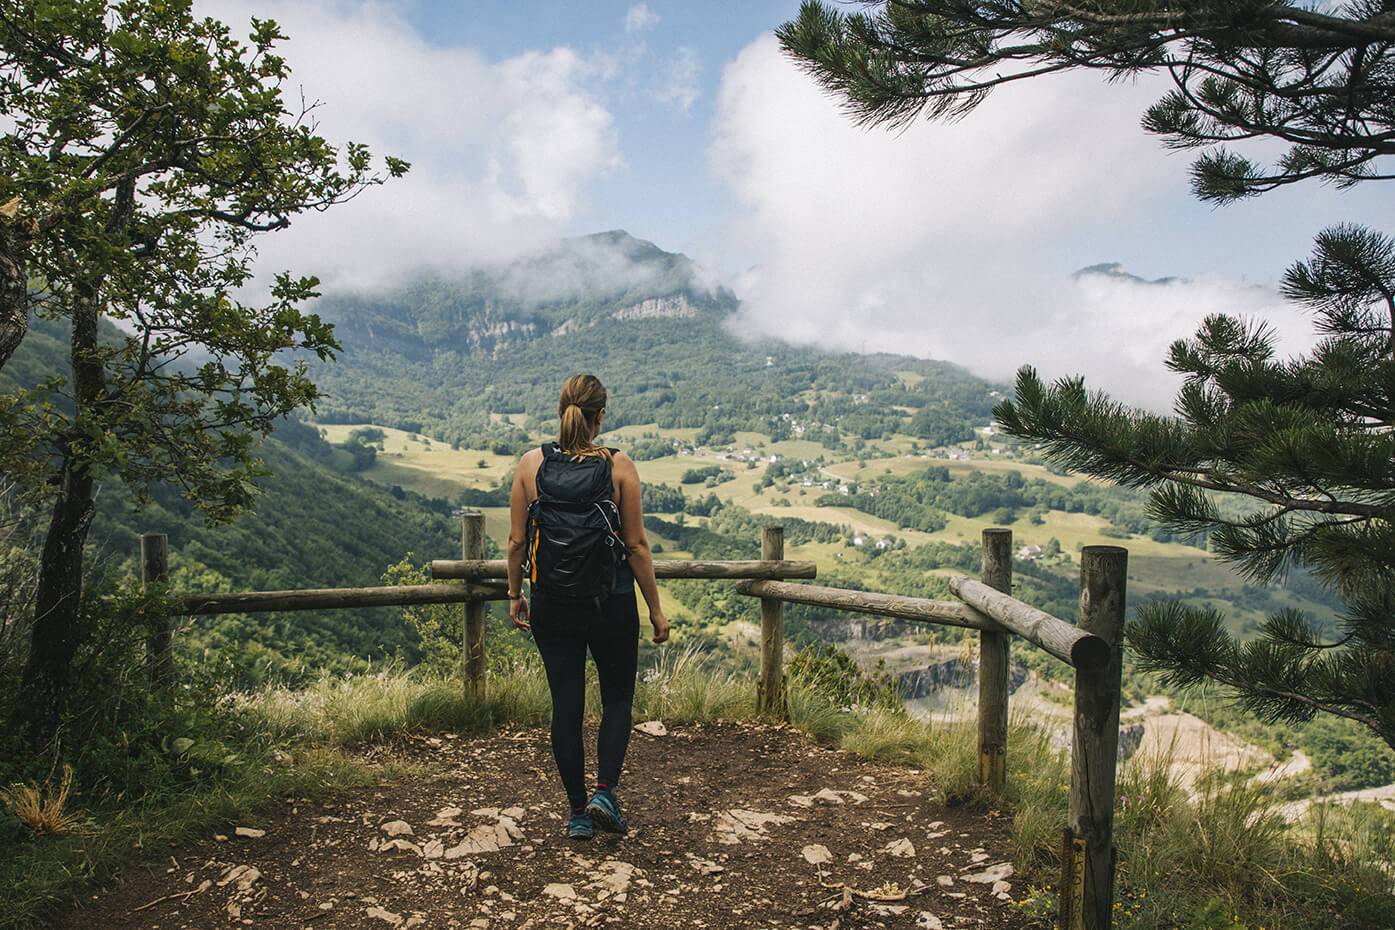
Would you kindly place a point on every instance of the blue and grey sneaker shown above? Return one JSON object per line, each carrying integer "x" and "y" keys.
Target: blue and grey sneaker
{"x": 605, "y": 813}
{"x": 580, "y": 826}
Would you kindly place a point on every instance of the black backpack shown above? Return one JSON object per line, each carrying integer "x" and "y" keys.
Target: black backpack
{"x": 574, "y": 545}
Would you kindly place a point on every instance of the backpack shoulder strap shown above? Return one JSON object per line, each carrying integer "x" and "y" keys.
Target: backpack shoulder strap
{"x": 609, "y": 470}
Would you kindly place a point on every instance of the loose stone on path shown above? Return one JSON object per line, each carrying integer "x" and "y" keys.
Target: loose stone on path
{"x": 902, "y": 848}
{"x": 994, "y": 873}
{"x": 740, "y": 826}
{"x": 397, "y": 828}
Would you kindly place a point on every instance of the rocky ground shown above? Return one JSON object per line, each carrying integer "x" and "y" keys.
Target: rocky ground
{"x": 733, "y": 826}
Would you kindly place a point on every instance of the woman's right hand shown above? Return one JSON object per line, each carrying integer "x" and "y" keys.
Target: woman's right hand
{"x": 518, "y": 612}
{"x": 660, "y": 624}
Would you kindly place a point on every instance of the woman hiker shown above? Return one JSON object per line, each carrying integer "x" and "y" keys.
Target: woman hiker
{"x": 576, "y": 532}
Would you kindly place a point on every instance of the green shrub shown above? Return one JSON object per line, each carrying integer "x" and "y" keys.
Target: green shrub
{"x": 829, "y": 671}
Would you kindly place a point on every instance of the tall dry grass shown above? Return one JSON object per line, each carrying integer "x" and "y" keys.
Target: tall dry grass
{"x": 43, "y": 808}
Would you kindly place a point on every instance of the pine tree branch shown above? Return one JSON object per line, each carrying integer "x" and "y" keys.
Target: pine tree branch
{"x": 1328, "y": 506}
{"x": 1069, "y": 436}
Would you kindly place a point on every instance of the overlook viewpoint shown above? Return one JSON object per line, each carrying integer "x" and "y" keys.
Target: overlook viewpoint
{"x": 899, "y": 464}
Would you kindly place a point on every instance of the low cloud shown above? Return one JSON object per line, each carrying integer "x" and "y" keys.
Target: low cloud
{"x": 504, "y": 152}
{"x": 939, "y": 240}
{"x": 597, "y": 267}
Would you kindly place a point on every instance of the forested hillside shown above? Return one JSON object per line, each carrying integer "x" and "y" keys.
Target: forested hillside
{"x": 313, "y": 524}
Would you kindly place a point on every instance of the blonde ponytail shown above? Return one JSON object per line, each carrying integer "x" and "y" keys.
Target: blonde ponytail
{"x": 583, "y": 398}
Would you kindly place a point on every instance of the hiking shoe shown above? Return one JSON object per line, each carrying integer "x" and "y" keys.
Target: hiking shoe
{"x": 580, "y": 826}
{"x": 605, "y": 813}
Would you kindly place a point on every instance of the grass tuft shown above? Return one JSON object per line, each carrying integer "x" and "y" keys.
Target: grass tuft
{"x": 686, "y": 686}
{"x": 44, "y": 808}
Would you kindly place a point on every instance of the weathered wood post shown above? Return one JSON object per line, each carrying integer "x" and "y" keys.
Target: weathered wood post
{"x": 472, "y": 646}
{"x": 1087, "y": 893}
{"x": 770, "y": 691}
{"x": 159, "y": 643}
{"x": 993, "y": 654}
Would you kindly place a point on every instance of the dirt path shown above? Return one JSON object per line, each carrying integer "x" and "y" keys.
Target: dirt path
{"x": 1383, "y": 795}
{"x": 734, "y": 826}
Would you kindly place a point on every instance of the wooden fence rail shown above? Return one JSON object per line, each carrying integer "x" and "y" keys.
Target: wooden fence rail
{"x": 252, "y": 602}
{"x": 471, "y": 569}
{"x": 1072, "y": 645}
{"x": 900, "y": 607}
{"x": 1092, "y": 646}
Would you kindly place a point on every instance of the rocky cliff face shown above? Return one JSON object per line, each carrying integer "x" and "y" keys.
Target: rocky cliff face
{"x": 952, "y": 673}
{"x": 675, "y": 307}
{"x": 487, "y": 334}
{"x": 839, "y": 629}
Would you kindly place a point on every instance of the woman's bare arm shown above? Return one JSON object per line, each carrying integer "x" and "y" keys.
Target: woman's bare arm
{"x": 518, "y": 538}
{"x": 637, "y": 541}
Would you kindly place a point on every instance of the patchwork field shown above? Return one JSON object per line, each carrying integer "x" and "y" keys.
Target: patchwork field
{"x": 415, "y": 462}
{"x": 908, "y": 464}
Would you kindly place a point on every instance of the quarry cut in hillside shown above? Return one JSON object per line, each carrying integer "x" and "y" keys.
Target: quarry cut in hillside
{"x": 734, "y": 826}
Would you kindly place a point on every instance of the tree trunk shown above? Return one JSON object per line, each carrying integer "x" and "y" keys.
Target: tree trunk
{"x": 14, "y": 289}
{"x": 57, "y": 622}
{"x": 57, "y": 619}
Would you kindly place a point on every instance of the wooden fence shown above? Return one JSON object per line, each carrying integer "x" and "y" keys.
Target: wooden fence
{"x": 1092, "y": 646}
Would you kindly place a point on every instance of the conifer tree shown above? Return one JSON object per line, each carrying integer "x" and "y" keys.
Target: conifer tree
{"x": 1302, "y": 449}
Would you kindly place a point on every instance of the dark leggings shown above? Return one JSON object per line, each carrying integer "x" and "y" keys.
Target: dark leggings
{"x": 563, "y": 632}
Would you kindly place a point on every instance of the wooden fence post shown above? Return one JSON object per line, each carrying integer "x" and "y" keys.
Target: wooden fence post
{"x": 472, "y": 646}
{"x": 770, "y": 691}
{"x": 159, "y": 644}
{"x": 1087, "y": 895}
{"x": 993, "y": 654}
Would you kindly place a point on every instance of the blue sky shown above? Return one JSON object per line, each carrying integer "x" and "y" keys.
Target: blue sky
{"x": 684, "y": 124}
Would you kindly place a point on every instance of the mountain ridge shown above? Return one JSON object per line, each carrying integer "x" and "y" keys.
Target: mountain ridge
{"x": 577, "y": 282}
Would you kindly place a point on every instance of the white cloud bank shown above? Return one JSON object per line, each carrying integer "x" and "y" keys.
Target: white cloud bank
{"x": 928, "y": 241}
{"x": 503, "y": 152}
